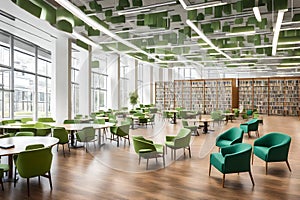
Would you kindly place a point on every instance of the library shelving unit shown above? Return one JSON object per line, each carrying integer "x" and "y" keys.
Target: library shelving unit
{"x": 169, "y": 97}
{"x": 210, "y": 96}
{"x": 226, "y": 92}
{"x": 276, "y": 96}
{"x": 159, "y": 95}
{"x": 197, "y": 95}
{"x": 291, "y": 96}
{"x": 261, "y": 97}
{"x": 183, "y": 94}
{"x": 246, "y": 93}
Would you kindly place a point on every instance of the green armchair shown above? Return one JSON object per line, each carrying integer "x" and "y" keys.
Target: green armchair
{"x": 3, "y": 168}
{"x": 180, "y": 141}
{"x": 232, "y": 159}
{"x": 251, "y": 125}
{"x": 194, "y": 128}
{"x": 272, "y": 147}
{"x": 147, "y": 149}
{"x": 120, "y": 131}
{"x": 36, "y": 162}
{"x": 86, "y": 135}
{"x": 62, "y": 135}
{"x": 229, "y": 137}
{"x": 46, "y": 119}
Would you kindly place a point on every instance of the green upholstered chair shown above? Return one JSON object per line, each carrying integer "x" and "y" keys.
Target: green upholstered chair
{"x": 24, "y": 133}
{"x": 29, "y": 147}
{"x": 101, "y": 121}
{"x": 147, "y": 149}
{"x": 151, "y": 120}
{"x": 86, "y": 135}
{"x": 11, "y": 132}
{"x": 70, "y": 121}
{"x": 3, "y": 168}
{"x": 62, "y": 135}
{"x": 229, "y": 137}
{"x": 180, "y": 141}
{"x": 42, "y": 129}
{"x": 191, "y": 127}
{"x": 46, "y": 119}
{"x": 35, "y": 162}
{"x": 143, "y": 120}
{"x": 167, "y": 115}
{"x": 251, "y": 125}
{"x": 249, "y": 113}
{"x": 120, "y": 131}
{"x": 5, "y": 135}
{"x": 272, "y": 147}
{"x": 26, "y": 119}
{"x": 232, "y": 159}
{"x": 217, "y": 116}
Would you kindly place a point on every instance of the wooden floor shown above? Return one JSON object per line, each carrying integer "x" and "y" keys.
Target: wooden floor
{"x": 113, "y": 172}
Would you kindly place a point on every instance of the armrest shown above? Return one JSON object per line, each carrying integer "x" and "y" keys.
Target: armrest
{"x": 170, "y": 138}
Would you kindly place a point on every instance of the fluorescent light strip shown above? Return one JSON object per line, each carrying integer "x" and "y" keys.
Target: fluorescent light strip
{"x": 277, "y": 31}
{"x": 85, "y": 40}
{"x": 203, "y": 37}
{"x": 292, "y": 42}
{"x": 290, "y": 28}
{"x": 288, "y": 67}
{"x": 288, "y": 48}
{"x": 145, "y": 8}
{"x": 290, "y": 64}
{"x": 201, "y": 5}
{"x": 81, "y": 15}
{"x": 257, "y": 14}
{"x": 241, "y": 33}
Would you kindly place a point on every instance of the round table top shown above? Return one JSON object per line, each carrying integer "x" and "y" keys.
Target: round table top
{"x": 21, "y": 142}
{"x": 76, "y": 127}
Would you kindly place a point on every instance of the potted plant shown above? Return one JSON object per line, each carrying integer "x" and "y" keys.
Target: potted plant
{"x": 133, "y": 97}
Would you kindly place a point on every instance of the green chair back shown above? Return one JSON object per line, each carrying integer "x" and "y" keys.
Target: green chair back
{"x": 46, "y": 119}
{"x": 61, "y": 134}
{"x": 70, "y": 121}
{"x": 99, "y": 121}
{"x": 141, "y": 145}
{"x": 183, "y": 138}
{"x": 27, "y": 133}
{"x": 87, "y": 134}
{"x": 26, "y": 119}
{"x": 123, "y": 130}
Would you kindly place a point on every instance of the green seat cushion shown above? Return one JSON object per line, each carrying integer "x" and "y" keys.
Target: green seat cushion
{"x": 261, "y": 152}
{"x": 169, "y": 143}
{"x": 224, "y": 143}
{"x": 5, "y": 167}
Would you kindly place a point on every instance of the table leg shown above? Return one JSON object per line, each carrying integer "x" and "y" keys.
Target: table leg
{"x": 99, "y": 138}
{"x": 205, "y": 128}
{"x": 10, "y": 163}
{"x": 174, "y": 118}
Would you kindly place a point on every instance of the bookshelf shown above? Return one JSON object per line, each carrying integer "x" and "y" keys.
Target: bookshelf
{"x": 246, "y": 93}
{"x": 276, "y": 96}
{"x": 197, "y": 93}
{"x": 291, "y": 97}
{"x": 261, "y": 97}
{"x": 159, "y": 95}
{"x": 183, "y": 94}
{"x": 210, "y": 96}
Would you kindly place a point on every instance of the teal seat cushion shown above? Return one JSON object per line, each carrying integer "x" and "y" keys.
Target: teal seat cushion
{"x": 223, "y": 143}
{"x": 261, "y": 152}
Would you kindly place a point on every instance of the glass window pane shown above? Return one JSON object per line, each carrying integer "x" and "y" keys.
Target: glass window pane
{"x": 42, "y": 97}
{"x": 4, "y": 49}
{"x": 24, "y": 56}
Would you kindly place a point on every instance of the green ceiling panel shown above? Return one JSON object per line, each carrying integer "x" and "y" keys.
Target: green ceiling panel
{"x": 260, "y": 50}
{"x": 218, "y": 11}
{"x": 227, "y": 9}
{"x": 263, "y": 23}
{"x": 82, "y": 44}
{"x": 238, "y": 6}
{"x": 226, "y": 28}
{"x": 125, "y": 35}
{"x": 124, "y": 3}
{"x": 95, "y": 6}
{"x": 119, "y": 8}
{"x": 141, "y": 17}
{"x": 92, "y": 32}
{"x": 30, "y": 7}
{"x": 123, "y": 47}
{"x": 137, "y": 3}
{"x": 239, "y": 21}
{"x": 289, "y": 39}
{"x": 176, "y": 18}
{"x": 208, "y": 11}
{"x": 95, "y": 64}
{"x": 108, "y": 13}
{"x": 48, "y": 12}
{"x": 207, "y": 28}
{"x": 296, "y": 17}
{"x": 102, "y": 23}
{"x": 249, "y": 3}
{"x": 140, "y": 23}
{"x": 257, "y": 40}
{"x": 216, "y": 25}
{"x": 187, "y": 31}
{"x": 192, "y": 14}
{"x": 117, "y": 19}
{"x": 78, "y": 22}
{"x": 200, "y": 17}
{"x": 268, "y": 51}
{"x": 252, "y": 21}
{"x": 64, "y": 20}
{"x": 242, "y": 29}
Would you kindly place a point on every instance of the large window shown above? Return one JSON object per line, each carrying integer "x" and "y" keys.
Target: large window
{"x": 140, "y": 82}
{"x": 184, "y": 73}
{"x": 29, "y": 87}
{"x": 99, "y": 82}
{"x": 75, "y": 82}
{"x": 124, "y": 79}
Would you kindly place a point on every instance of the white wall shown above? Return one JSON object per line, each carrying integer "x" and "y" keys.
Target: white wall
{"x": 113, "y": 79}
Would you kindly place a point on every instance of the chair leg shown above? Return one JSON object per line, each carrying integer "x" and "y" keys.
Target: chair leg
{"x": 251, "y": 178}
{"x": 50, "y": 180}
{"x": 1, "y": 184}
{"x": 28, "y": 192}
{"x": 164, "y": 162}
{"x": 287, "y": 163}
{"x": 252, "y": 157}
{"x": 266, "y": 168}
{"x": 183, "y": 152}
{"x": 174, "y": 154}
{"x": 190, "y": 152}
{"x": 147, "y": 163}
{"x": 64, "y": 150}
{"x": 223, "y": 181}
{"x": 15, "y": 177}
{"x": 139, "y": 159}
{"x": 57, "y": 147}
{"x": 209, "y": 170}
{"x": 257, "y": 134}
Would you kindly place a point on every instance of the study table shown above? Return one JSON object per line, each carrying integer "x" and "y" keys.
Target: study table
{"x": 174, "y": 115}
{"x": 77, "y": 127}
{"x": 228, "y": 116}
{"x": 20, "y": 144}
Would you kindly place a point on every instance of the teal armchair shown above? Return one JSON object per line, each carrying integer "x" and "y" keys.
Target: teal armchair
{"x": 147, "y": 149}
{"x": 272, "y": 147}
{"x": 36, "y": 162}
{"x": 232, "y": 159}
{"x": 180, "y": 141}
{"x": 251, "y": 125}
{"x": 229, "y": 137}
{"x": 191, "y": 127}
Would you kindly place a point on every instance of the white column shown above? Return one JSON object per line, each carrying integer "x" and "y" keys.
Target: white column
{"x": 113, "y": 81}
{"x": 61, "y": 84}
{"x": 147, "y": 84}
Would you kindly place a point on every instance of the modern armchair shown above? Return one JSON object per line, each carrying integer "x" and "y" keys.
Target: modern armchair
{"x": 273, "y": 147}
{"x": 229, "y": 137}
{"x": 251, "y": 125}
{"x": 180, "y": 141}
{"x": 86, "y": 135}
{"x": 194, "y": 128}
{"x": 36, "y": 162}
{"x": 3, "y": 168}
{"x": 147, "y": 149}
{"x": 46, "y": 119}
{"x": 120, "y": 131}
{"x": 232, "y": 159}
{"x": 24, "y": 133}
{"x": 151, "y": 120}
{"x": 62, "y": 135}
